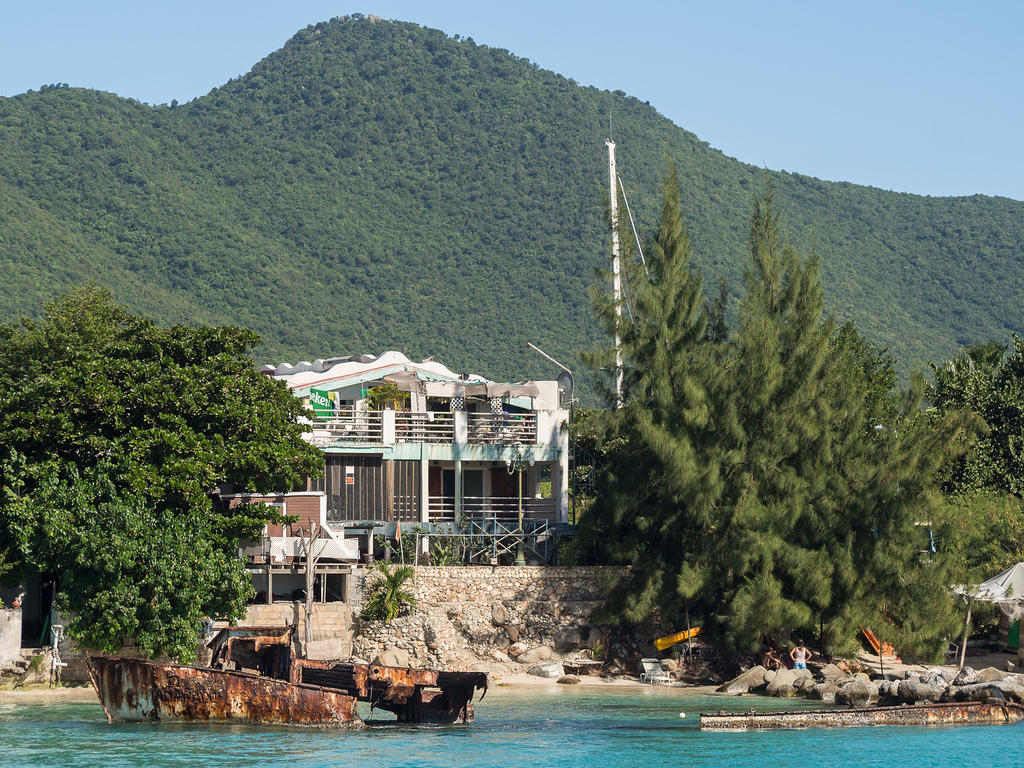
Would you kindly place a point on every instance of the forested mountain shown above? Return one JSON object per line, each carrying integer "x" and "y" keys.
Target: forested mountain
{"x": 378, "y": 185}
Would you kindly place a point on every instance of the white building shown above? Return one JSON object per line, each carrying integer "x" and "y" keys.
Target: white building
{"x": 449, "y": 448}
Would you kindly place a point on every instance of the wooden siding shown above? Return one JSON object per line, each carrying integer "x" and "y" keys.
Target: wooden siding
{"x": 369, "y": 488}
{"x": 306, "y": 508}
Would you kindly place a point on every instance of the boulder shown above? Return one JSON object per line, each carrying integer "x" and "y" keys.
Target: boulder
{"x": 824, "y": 692}
{"x": 393, "y": 657}
{"x": 498, "y": 614}
{"x": 913, "y": 691}
{"x": 832, "y": 672}
{"x": 569, "y": 680}
{"x": 888, "y": 688}
{"x": 938, "y": 677}
{"x": 804, "y": 684}
{"x": 982, "y": 691}
{"x": 995, "y": 696}
{"x": 567, "y": 639}
{"x": 856, "y": 693}
{"x": 499, "y": 657}
{"x": 547, "y": 669}
{"x": 990, "y": 675}
{"x": 770, "y": 675}
{"x": 744, "y": 683}
{"x": 965, "y": 676}
{"x": 532, "y": 656}
{"x": 783, "y": 683}
{"x": 517, "y": 648}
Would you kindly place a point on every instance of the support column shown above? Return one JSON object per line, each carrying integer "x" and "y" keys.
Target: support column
{"x": 458, "y": 489}
{"x": 424, "y": 488}
{"x": 560, "y": 483}
{"x": 270, "y": 584}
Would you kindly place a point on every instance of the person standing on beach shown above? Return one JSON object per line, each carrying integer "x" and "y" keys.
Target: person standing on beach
{"x": 800, "y": 654}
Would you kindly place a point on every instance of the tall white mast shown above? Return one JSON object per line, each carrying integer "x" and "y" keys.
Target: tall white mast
{"x": 616, "y": 276}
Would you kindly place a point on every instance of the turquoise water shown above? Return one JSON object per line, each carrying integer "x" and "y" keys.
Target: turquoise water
{"x": 563, "y": 727}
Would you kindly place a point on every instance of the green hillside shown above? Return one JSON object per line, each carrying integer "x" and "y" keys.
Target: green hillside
{"x": 378, "y": 185}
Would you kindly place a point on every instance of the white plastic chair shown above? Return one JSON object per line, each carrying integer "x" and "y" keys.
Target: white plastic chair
{"x": 653, "y": 673}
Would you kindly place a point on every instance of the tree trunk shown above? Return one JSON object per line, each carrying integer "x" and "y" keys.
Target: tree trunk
{"x": 967, "y": 626}
{"x": 312, "y": 555}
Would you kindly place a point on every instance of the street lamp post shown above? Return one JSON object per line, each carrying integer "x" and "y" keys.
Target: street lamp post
{"x": 516, "y": 465}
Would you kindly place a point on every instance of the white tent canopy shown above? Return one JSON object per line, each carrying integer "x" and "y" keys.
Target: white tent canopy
{"x": 1005, "y": 590}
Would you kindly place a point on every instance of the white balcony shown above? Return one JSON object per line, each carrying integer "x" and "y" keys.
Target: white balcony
{"x": 350, "y": 425}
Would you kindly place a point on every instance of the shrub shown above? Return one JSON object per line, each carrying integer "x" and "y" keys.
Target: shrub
{"x": 387, "y": 594}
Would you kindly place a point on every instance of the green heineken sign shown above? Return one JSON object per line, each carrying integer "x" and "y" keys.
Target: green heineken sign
{"x": 322, "y": 403}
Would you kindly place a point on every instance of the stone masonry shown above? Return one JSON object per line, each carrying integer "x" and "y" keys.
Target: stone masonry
{"x": 468, "y": 615}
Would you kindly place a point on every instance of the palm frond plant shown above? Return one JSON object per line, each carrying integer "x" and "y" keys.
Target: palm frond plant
{"x": 387, "y": 594}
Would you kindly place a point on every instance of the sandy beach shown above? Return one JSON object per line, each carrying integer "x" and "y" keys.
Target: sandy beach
{"x": 522, "y": 680}
{"x": 44, "y": 695}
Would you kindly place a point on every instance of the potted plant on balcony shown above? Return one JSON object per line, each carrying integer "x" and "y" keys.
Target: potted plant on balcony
{"x": 386, "y": 395}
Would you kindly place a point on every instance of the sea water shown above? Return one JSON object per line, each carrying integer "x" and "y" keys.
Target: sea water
{"x": 564, "y": 726}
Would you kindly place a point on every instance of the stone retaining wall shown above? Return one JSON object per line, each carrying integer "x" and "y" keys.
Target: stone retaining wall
{"x": 469, "y": 614}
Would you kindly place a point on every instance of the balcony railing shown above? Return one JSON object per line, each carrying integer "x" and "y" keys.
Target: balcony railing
{"x": 502, "y": 428}
{"x": 503, "y": 509}
{"x": 348, "y": 425}
{"x": 351, "y": 426}
{"x": 429, "y": 427}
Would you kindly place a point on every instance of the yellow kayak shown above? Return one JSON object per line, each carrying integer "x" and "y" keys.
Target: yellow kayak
{"x": 664, "y": 642}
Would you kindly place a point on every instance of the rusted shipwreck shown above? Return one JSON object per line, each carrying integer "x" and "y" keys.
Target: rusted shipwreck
{"x": 968, "y": 712}
{"x": 254, "y": 677}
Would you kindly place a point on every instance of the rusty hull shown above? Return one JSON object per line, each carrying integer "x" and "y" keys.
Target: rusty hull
{"x": 254, "y": 677}
{"x": 413, "y": 695}
{"x": 139, "y": 691}
{"x": 968, "y": 712}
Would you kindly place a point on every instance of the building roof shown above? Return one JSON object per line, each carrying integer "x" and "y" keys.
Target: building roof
{"x": 428, "y": 376}
{"x": 335, "y": 371}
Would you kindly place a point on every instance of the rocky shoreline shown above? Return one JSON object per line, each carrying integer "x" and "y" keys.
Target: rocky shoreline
{"x": 842, "y": 683}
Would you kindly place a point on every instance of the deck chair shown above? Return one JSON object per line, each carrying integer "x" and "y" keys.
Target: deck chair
{"x": 652, "y": 673}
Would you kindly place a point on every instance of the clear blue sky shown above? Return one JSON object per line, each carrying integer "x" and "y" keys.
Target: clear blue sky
{"x": 921, "y": 97}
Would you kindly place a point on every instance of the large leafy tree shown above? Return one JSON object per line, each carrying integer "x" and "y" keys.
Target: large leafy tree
{"x": 980, "y": 519}
{"x": 984, "y": 381}
{"x": 116, "y": 431}
{"x": 748, "y": 483}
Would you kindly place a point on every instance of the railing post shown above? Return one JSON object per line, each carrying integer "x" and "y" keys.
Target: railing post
{"x": 387, "y": 427}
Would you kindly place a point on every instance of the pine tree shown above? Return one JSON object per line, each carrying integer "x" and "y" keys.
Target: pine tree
{"x": 746, "y": 484}
{"x": 655, "y": 475}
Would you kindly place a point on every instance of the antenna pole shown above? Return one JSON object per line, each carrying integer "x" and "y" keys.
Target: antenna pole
{"x": 613, "y": 189}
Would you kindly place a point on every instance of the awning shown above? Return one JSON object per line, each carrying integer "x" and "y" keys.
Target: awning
{"x": 489, "y": 389}
{"x": 454, "y": 389}
{"x": 529, "y": 389}
{"x": 1005, "y": 590}
{"x": 407, "y": 381}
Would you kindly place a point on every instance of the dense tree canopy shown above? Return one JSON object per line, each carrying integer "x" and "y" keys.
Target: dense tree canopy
{"x": 376, "y": 185}
{"x": 116, "y": 432}
{"x": 746, "y": 481}
{"x": 981, "y": 518}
